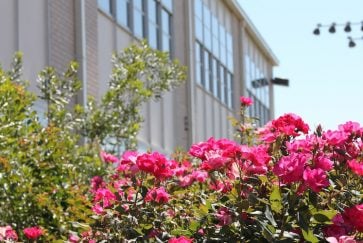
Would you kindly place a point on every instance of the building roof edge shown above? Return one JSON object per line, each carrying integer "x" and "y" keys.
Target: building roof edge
{"x": 254, "y": 32}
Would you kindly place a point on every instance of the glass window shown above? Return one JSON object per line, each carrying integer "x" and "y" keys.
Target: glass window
{"x": 215, "y": 77}
{"x": 105, "y": 5}
{"x": 222, "y": 94}
{"x": 153, "y": 36}
{"x": 207, "y": 28}
{"x": 198, "y": 29}
{"x": 198, "y": 66}
{"x": 165, "y": 21}
{"x": 166, "y": 43}
{"x": 229, "y": 42}
{"x": 206, "y": 70}
{"x": 122, "y": 7}
{"x": 152, "y": 11}
{"x": 138, "y": 23}
{"x": 153, "y": 28}
{"x": 230, "y": 90}
{"x": 198, "y": 8}
{"x": 168, "y": 4}
{"x": 138, "y": 4}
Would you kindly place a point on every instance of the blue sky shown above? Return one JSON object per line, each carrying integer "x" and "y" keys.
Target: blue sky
{"x": 326, "y": 76}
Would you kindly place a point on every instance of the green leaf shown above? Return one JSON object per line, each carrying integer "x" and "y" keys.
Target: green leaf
{"x": 194, "y": 225}
{"x": 275, "y": 199}
{"x": 309, "y": 236}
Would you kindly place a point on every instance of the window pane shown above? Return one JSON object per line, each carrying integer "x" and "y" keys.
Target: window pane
{"x": 166, "y": 43}
{"x": 230, "y": 90}
{"x": 153, "y": 36}
{"x": 105, "y": 5}
{"x": 168, "y": 4}
{"x": 152, "y": 11}
{"x": 206, "y": 70}
{"x": 122, "y": 12}
{"x": 229, "y": 42}
{"x": 215, "y": 77}
{"x": 222, "y": 93}
{"x": 230, "y": 60}
{"x": 138, "y": 23}
{"x": 165, "y": 21}
{"x": 198, "y": 29}
{"x": 138, "y": 4}
{"x": 198, "y": 8}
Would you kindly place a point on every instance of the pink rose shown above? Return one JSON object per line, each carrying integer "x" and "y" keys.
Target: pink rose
{"x": 290, "y": 168}
{"x": 354, "y": 217}
{"x": 74, "y": 238}
{"x": 316, "y": 179}
{"x": 245, "y": 101}
{"x": 156, "y": 164}
{"x": 108, "y": 158}
{"x": 158, "y": 195}
{"x": 224, "y": 216}
{"x": 106, "y": 196}
{"x": 33, "y": 233}
{"x": 7, "y": 233}
{"x": 356, "y": 167}
{"x": 181, "y": 239}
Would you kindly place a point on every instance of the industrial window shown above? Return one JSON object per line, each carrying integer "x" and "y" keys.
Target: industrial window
{"x": 214, "y": 54}
{"x": 149, "y": 19}
{"x": 257, "y": 88}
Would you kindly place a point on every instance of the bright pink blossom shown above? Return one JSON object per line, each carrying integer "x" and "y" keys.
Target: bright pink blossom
{"x": 341, "y": 239}
{"x": 97, "y": 209}
{"x": 74, "y": 238}
{"x": 323, "y": 162}
{"x": 286, "y": 125}
{"x": 214, "y": 160}
{"x": 158, "y": 195}
{"x": 106, "y": 196}
{"x": 290, "y": 168}
{"x": 245, "y": 101}
{"x": 220, "y": 186}
{"x": 7, "y": 233}
{"x": 108, "y": 158}
{"x": 33, "y": 233}
{"x": 96, "y": 183}
{"x": 224, "y": 216}
{"x": 354, "y": 217}
{"x": 338, "y": 228}
{"x": 187, "y": 180}
{"x": 128, "y": 162}
{"x": 199, "y": 175}
{"x": 315, "y": 179}
{"x": 351, "y": 127}
{"x": 156, "y": 164}
{"x": 335, "y": 138}
{"x": 181, "y": 239}
{"x": 356, "y": 167}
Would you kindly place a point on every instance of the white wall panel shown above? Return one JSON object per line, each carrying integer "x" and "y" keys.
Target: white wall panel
{"x": 105, "y": 48}
{"x": 8, "y": 29}
{"x": 33, "y": 37}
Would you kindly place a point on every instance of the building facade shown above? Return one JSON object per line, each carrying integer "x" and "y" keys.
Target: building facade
{"x": 225, "y": 55}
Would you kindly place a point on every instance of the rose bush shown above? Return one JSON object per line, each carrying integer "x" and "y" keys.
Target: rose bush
{"x": 290, "y": 186}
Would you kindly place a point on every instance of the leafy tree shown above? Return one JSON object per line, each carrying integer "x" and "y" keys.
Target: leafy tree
{"x": 45, "y": 169}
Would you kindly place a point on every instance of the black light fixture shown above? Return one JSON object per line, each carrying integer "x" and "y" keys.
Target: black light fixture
{"x": 351, "y": 43}
{"x": 280, "y": 81}
{"x": 347, "y": 27}
{"x": 317, "y": 30}
{"x": 332, "y": 28}
{"x": 361, "y": 28}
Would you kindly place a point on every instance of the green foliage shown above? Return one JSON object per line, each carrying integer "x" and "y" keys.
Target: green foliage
{"x": 139, "y": 74}
{"x": 45, "y": 168}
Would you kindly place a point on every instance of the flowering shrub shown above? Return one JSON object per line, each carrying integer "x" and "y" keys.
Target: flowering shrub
{"x": 291, "y": 186}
